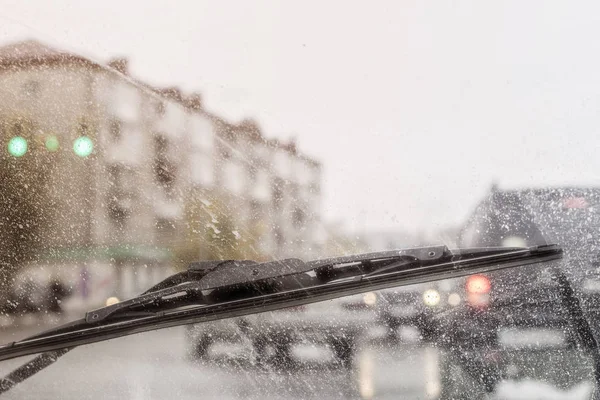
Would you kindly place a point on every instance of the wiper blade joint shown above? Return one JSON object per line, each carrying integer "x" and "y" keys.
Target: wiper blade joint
{"x": 231, "y": 276}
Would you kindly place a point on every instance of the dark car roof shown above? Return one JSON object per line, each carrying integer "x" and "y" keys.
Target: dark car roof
{"x": 550, "y": 192}
{"x": 563, "y": 214}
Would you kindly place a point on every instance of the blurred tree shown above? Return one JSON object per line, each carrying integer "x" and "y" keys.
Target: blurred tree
{"x": 23, "y": 198}
{"x": 215, "y": 232}
{"x": 341, "y": 244}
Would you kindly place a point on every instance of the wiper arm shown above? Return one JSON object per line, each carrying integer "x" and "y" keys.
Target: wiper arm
{"x": 215, "y": 290}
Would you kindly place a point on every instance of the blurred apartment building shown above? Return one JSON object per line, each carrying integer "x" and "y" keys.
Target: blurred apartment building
{"x": 112, "y": 166}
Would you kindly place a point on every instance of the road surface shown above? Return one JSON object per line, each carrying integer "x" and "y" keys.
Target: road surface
{"x": 155, "y": 365}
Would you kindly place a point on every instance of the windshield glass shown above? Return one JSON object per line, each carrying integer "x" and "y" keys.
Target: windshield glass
{"x": 140, "y": 138}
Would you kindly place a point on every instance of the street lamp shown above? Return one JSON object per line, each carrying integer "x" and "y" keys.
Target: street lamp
{"x": 52, "y": 143}
{"x": 17, "y": 146}
{"x": 83, "y": 146}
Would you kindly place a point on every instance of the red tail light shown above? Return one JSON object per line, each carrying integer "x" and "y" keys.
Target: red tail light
{"x": 478, "y": 284}
{"x": 575, "y": 202}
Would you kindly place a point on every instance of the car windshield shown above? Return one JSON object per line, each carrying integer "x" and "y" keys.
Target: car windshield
{"x": 218, "y": 158}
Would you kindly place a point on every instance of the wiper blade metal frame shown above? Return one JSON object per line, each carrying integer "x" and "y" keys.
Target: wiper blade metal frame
{"x": 229, "y": 273}
{"x": 450, "y": 264}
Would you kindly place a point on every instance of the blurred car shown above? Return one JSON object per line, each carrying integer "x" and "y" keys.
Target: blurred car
{"x": 54, "y": 288}
{"x": 415, "y": 305}
{"x": 35, "y": 289}
{"x": 28, "y": 294}
{"x": 336, "y": 324}
{"x": 513, "y": 324}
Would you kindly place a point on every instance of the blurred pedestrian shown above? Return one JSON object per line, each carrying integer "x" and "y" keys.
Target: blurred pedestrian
{"x": 58, "y": 292}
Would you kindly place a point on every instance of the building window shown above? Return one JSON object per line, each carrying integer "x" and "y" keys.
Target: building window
{"x": 225, "y": 154}
{"x": 83, "y": 129}
{"x": 234, "y": 177}
{"x": 202, "y": 134}
{"x": 260, "y": 185}
{"x": 164, "y": 168}
{"x": 279, "y": 239}
{"x": 22, "y": 127}
{"x": 160, "y": 109}
{"x": 32, "y": 88}
{"x": 314, "y": 188}
{"x": 202, "y": 169}
{"x": 298, "y": 218}
{"x": 282, "y": 164}
{"x": 278, "y": 193}
{"x": 119, "y": 198}
{"x": 165, "y": 229}
{"x": 256, "y": 213}
{"x": 115, "y": 127}
{"x": 18, "y": 129}
{"x": 294, "y": 190}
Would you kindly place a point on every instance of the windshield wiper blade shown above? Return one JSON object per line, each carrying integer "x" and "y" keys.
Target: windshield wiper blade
{"x": 269, "y": 276}
{"x": 223, "y": 289}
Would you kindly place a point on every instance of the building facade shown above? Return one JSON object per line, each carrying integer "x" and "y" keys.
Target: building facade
{"x": 115, "y": 169}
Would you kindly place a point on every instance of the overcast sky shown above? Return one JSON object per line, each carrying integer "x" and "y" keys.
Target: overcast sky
{"x": 413, "y": 107}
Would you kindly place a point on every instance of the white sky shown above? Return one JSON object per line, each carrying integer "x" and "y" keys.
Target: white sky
{"x": 413, "y": 106}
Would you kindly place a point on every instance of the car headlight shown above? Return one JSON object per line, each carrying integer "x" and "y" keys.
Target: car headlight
{"x": 112, "y": 300}
{"x": 431, "y": 297}
{"x": 514, "y": 241}
{"x": 370, "y": 298}
{"x": 454, "y": 299}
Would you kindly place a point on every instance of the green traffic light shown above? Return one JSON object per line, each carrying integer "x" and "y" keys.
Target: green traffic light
{"x": 17, "y": 146}
{"x": 52, "y": 143}
{"x": 83, "y": 146}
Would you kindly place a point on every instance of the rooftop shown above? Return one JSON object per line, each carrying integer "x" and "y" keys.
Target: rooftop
{"x": 31, "y": 53}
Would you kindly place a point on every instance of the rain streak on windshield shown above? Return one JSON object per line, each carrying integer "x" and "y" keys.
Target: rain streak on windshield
{"x": 218, "y": 160}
